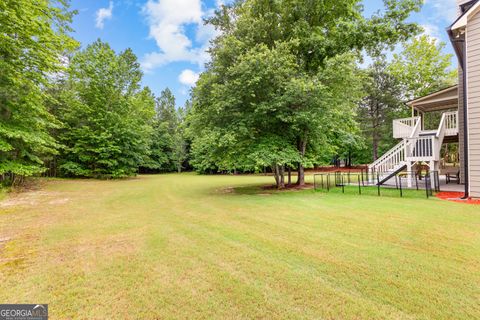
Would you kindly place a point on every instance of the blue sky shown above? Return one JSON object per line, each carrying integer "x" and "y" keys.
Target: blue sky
{"x": 170, "y": 40}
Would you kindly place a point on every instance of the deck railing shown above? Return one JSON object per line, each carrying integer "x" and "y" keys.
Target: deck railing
{"x": 421, "y": 148}
{"x": 451, "y": 123}
{"x": 416, "y": 145}
{"x": 402, "y": 128}
{"x": 389, "y": 160}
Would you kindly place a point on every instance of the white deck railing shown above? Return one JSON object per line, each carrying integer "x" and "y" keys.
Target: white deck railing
{"x": 389, "y": 160}
{"x": 395, "y": 157}
{"x": 402, "y": 128}
{"x": 421, "y": 148}
{"x": 451, "y": 123}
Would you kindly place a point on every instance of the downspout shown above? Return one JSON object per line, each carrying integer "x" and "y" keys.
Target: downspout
{"x": 465, "y": 121}
{"x": 463, "y": 63}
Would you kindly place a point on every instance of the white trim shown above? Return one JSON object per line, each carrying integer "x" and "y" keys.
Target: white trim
{"x": 461, "y": 23}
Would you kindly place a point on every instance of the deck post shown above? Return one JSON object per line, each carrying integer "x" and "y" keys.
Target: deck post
{"x": 409, "y": 174}
{"x": 432, "y": 170}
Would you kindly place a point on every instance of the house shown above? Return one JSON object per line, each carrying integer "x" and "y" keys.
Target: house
{"x": 460, "y": 114}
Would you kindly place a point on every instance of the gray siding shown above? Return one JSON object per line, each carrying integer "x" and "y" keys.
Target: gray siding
{"x": 473, "y": 81}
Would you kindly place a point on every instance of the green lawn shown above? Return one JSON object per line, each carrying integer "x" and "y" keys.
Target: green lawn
{"x": 188, "y": 246}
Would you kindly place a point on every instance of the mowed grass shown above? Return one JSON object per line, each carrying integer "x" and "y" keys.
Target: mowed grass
{"x": 205, "y": 247}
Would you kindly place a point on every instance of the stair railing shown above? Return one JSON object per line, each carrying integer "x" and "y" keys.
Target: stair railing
{"x": 402, "y": 128}
{"x": 417, "y": 129}
{"x": 441, "y": 132}
{"x": 390, "y": 159}
{"x": 397, "y": 155}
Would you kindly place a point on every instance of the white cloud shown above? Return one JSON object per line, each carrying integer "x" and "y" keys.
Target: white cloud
{"x": 433, "y": 31}
{"x": 188, "y": 77}
{"x": 167, "y": 21}
{"x": 104, "y": 14}
{"x": 445, "y": 9}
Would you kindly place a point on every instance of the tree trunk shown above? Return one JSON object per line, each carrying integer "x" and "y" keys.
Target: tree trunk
{"x": 302, "y": 146}
{"x": 336, "y": 162}
{"x": 282, "y": 176}
{"x": 278, "y": 175}
{"x": 375, "y": 146}
{"x": 375, "y": 133}
{"x": 289, "y": 176}
{"x": 301, "y": 175}
{"x": 275, "y": 175}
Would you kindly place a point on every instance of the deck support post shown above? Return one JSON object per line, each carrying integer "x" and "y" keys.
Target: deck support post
{"x": 433, "y": 174}
{"x": 432, "y": 170}
{"x": 409, "y": 174}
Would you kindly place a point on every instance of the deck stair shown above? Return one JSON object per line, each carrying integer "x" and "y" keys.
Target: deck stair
{"x": 417, "y": 145}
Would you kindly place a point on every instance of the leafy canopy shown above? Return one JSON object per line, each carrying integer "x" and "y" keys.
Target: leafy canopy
{"x": 106, "y": 115}
{"x": 282, "y": 84}
{"x": 34, "y": 38}
{"x": 422, "y": 68}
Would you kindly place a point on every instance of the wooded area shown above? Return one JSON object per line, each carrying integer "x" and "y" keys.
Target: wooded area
{"x": 287, "y": 88}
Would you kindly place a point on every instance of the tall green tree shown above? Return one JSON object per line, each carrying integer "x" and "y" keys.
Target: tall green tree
{"x": 180, "y": 151}
{"x": 382, "y": 103}
{"x": 275, "y": 93}
{"x": 34, "y": 38}
{"x": 422, "y": 67}
{"x": 162, "y": 134}
{"x": 169, "y": 149}
{"x": 106, "y": 116}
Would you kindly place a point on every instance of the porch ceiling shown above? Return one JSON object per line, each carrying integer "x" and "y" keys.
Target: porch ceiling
{"x": 437, "y": 101}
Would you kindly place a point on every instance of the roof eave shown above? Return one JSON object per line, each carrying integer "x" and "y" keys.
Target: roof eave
{"x": 462, "y": 21}
{"x": 431, "y": 95}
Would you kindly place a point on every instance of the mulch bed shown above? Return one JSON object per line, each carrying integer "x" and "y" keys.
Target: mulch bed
{"x": 456, "y": 197}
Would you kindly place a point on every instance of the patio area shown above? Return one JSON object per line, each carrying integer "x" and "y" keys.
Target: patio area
{"x": 440, "y": 185}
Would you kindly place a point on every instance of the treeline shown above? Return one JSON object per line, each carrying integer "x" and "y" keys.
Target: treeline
{"x": 77, "y": 113}
{"x": 284, "y": 91}
{"x": 109, "y": 126}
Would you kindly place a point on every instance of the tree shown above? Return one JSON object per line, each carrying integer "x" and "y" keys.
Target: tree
{"x": 422, "y": 68}
{"x": 381, "y": 104}
{"x": 166, "y": 137}
{"x": 33, "y": 39}
{"x": 275, "y": 92}
{"x": 169, "y": 148}
{"x": 106, "y": 117}
{"x": 162, "y": 135}
{"x": 144, "y": 102}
